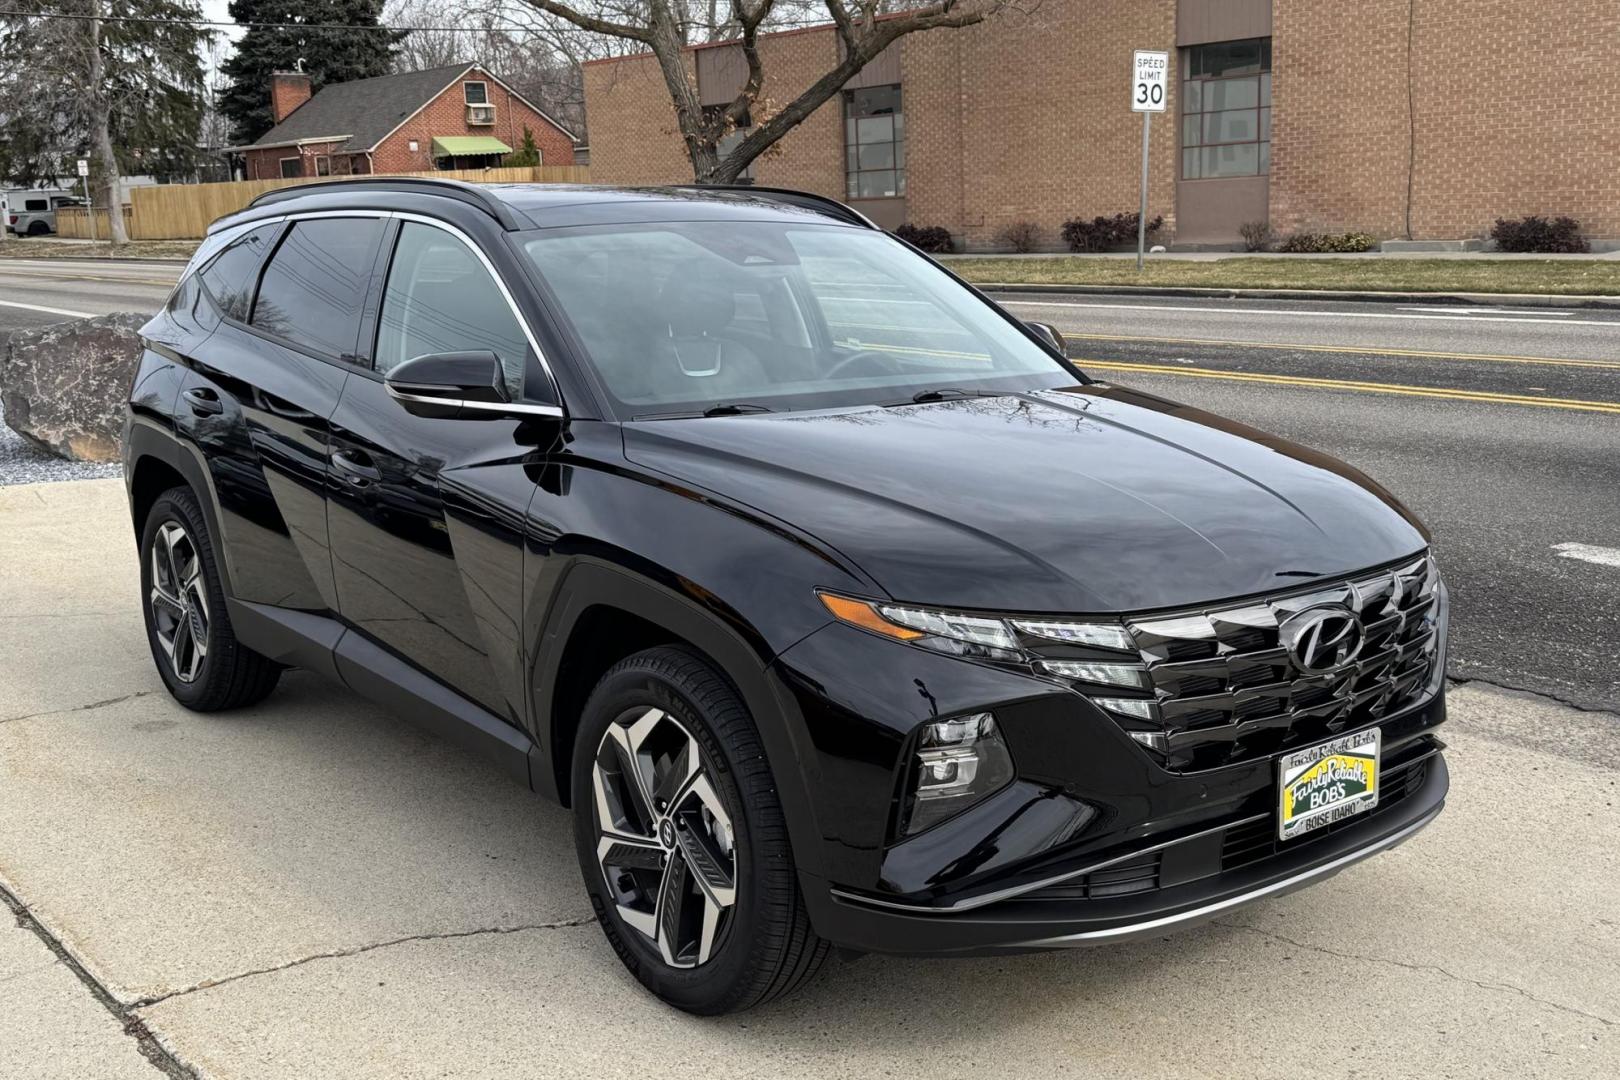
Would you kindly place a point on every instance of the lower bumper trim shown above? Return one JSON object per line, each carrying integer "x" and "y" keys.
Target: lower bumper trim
{"x": 1193, "y": 917}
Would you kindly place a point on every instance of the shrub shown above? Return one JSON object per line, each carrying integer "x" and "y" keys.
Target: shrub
{"x": 1106, "y": 233}
{"x": 1317, "y": 243}
{"x": 1560, "y": 236}
{"x": 1256, "y": 235}
{"x": 1020, "y": 236}
{"x": 934, "y": 239}
{"x": 526, "y": 155}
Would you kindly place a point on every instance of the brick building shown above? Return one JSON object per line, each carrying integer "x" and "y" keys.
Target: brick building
{"x": 1401, "y": 118}
{"x": 457, "y": 117}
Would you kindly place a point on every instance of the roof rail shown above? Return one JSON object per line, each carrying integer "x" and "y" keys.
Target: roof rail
{"x": 806, "y": 200}
{"x": 471, "y": 194}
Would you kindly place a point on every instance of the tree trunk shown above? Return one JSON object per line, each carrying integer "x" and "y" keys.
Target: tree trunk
{"x": 101, "y": 135}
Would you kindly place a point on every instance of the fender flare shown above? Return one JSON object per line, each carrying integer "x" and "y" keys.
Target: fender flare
{"x": 148, "y": 440}
{"x": 589, "y": 583}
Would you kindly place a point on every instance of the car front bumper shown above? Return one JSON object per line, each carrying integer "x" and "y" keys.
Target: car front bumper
{"x": 1061, "y": 915}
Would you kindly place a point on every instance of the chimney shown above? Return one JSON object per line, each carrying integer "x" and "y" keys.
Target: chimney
{"x": 288, "y": 90}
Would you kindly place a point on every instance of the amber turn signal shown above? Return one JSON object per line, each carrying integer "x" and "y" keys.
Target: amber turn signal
{"x": 860, "y": 613}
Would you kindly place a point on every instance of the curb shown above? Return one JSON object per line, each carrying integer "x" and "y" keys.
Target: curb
{"x": 1548, "y": 300}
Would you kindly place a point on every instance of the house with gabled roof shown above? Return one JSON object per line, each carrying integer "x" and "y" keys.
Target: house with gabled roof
{"x": 458, "y": 117}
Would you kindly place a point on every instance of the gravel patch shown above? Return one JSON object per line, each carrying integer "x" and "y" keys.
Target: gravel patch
{"x": 23, "y": 463}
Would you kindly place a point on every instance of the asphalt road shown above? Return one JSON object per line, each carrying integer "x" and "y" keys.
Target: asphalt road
{"x": 37, "y": 292}
{"x": 1499, "y": 426}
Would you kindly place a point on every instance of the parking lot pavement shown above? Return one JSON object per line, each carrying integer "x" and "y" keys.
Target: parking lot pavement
{"x": 308, "y": 888}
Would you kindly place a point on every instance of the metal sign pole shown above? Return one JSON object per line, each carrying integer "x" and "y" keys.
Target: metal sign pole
{"x": 90, "y": 208}
{"x": 1141, "y": 220}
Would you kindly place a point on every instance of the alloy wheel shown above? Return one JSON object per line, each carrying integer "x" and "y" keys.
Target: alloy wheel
{"x": 666, "y": 844}
{"x": 179, "y": 601}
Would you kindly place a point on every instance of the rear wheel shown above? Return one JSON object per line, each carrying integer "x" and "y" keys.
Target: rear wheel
{"x": 187, "y": 626}
{"x": 38, "y": 228}
{"x": 682, "y": 840}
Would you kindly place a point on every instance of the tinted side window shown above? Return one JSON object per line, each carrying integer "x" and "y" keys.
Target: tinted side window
{"x": 35, "y": 205}
{"x": 439, "y": 299}
{"x": 312, "y": 290}
{"x": 230, "y": 276}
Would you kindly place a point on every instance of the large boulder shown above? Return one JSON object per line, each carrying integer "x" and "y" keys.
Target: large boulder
{"x": 64, "y": 387}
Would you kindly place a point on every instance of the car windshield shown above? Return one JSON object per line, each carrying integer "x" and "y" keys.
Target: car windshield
{"x": 689, "y": 317}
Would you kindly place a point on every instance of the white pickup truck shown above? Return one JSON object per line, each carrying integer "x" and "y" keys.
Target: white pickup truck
{"x": 32, "y": 211}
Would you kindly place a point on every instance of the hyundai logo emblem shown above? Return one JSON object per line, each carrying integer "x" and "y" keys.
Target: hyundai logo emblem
{"x": 1322, "y": 639}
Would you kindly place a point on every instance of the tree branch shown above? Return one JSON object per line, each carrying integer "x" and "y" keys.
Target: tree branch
{"x": 592, "y": 22}
{"x": 862, "y": 44}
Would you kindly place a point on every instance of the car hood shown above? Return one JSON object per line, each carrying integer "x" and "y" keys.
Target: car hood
{"x": 1089, "y": 499}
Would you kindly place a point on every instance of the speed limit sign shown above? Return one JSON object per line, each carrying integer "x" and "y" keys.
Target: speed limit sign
{"x": 1150, "y": 81}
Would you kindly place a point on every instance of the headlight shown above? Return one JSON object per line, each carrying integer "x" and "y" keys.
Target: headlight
{"x": 990, "y": 638}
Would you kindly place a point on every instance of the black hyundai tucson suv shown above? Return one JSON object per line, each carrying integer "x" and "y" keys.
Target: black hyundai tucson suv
{"x": 842, "y": 609}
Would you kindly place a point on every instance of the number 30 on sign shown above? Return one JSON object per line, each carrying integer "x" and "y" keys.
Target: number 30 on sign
{"x": 1150, "y": 79}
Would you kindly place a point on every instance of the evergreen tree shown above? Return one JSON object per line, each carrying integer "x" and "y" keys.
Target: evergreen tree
{"x": 148, "y": 94}
{"x": 327, "y": 55}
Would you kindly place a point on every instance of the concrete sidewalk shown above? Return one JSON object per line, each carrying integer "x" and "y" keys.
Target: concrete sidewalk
{"x": 309, "y": 888}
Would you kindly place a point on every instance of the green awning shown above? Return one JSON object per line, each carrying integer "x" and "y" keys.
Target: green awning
{"x": 468, "y": 146}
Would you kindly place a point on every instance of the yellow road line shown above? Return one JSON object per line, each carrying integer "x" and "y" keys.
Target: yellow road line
{"x": 1362, "y": 387}
{"x": 1354, "y": 350}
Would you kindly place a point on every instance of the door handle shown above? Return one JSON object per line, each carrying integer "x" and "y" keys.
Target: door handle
{"x": 203, "y": 401}
{"x": 356, "y": 467}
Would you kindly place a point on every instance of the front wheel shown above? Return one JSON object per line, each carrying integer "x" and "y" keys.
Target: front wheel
{"x": 682, "y": 840}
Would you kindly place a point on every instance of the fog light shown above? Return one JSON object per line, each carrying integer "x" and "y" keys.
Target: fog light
{"x": 958, "y": 762}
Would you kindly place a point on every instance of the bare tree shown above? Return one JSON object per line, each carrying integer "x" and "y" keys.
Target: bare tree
{"x": 553, "y": 29}
{"x": 531, "y": 56}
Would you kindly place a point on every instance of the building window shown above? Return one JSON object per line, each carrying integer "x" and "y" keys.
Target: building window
{"x": 477, "y": 93}
{"x": 728, "y": 142}
{"x": 874, "y": 143}
{"x": 323, "y": 165}
{"x": 1226, "y": 110}
{"x": 291, "y": 167}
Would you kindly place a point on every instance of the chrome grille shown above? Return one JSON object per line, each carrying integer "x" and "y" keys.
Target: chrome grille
{"x": 1228, "y": 683}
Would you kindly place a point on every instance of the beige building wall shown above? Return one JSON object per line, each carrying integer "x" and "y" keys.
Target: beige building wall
{"x": 1517, "y": 111}
{"x": 634, "y": 137}
{"x": 1027, "y": 117}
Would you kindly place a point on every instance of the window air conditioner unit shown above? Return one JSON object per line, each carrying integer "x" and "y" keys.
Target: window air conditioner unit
{"x": 480, "y": 114}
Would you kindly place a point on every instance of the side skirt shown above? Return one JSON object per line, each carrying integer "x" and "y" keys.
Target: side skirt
{"x": 326, "y": 646}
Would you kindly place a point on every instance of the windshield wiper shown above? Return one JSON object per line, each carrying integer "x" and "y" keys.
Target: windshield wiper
{"x": 943, "y": 393}
{"x": 736, "y": 408}
{"x": 728, "y": 408}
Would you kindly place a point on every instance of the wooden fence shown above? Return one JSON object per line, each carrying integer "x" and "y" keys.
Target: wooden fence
{"x": 75, "y": 221}
{"x": 184, "y": 211}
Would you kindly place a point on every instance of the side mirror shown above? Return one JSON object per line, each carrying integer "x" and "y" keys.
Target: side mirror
{"x": 459, "y": 385}
{"x": 1050, "y": 333}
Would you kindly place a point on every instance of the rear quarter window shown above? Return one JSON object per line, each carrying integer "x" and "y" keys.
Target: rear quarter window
{"x": 229, "y": 277}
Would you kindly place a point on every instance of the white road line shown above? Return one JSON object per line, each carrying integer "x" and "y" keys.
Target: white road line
{"x": 1603, "y": 556}
{"x": 48, "y": 310}
{"x": 1313, "y": 314}
{"x": 1491, "y": 310}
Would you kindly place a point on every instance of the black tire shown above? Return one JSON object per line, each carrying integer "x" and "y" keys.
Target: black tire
{"x": 767, "y": 947}
{"x": 38, "y": 228}
{"x": 229, "y": 675}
